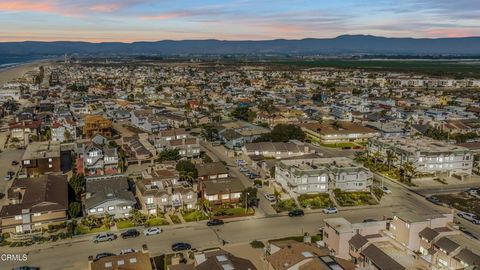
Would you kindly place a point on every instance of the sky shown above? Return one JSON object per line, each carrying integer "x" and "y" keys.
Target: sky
{"x": 149, "y": 20}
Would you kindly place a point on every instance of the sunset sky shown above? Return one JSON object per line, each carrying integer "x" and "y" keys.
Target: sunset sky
{"x": 134, "y": 20}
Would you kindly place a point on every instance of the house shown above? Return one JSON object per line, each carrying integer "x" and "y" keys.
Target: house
{"x": 277, "y": 150}
{"x": 160, "y": 189}
{"x": 147, "y": 120}
{"x": 427, "y": 155}
{"x": 223, "y": 190}
{"x": 390, "y": 129}
{"x": 292, "y": 255}
{"x": 138, "y": 149}
{"x": 97, "y": 159}
{"x": 35, "y": 203}
{"x": 97, "y": 124}
{"x": 63, "y": 129}
{"x": 236, "y": 133}
{"x": 374, "y": 258}
{"x": 338, "y": 132}
{"x": 339, "y": 232}
{"x": 187, "y": 146}
{"x": 215, "y": 259}
{"x": 108, "y": 195}
{"x": 22, "y": 130}
{"x": 41, "y": 158}
{"x": 211, "y": 171}
{"x": 454, "y": 251}
{"x": 316, "y": 174}
{"x": 137, "y": 260}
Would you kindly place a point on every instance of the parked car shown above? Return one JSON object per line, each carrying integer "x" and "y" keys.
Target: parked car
{"x": 240, "y": 162}
{"x": 2, "y": 195}
{"x": 330, "y": 210}
{"x": 14, "y": 162}
{"x": 102, "y": 237}
{"x": 433, "y": 199}
{"x": 103, "y": 255}
{"x": 296, "y": 213}
{"x": 270, "y": 197}
{"x": 470, "y": 217}
{"x": 469, "y": 234}
{"x": 152, "y": 231}
{"x": 215, "y": 222}
{"x": 181, "y": 246}
{"x": 369, "y": 220}
{"x": 386, "y": 190}
{"x": 127, "y": 250}
{"x": 243, "y": 169}
{"x": 26, "y": 268}
{"x": 7, "y": 177}
{"x": 131, "y": 233}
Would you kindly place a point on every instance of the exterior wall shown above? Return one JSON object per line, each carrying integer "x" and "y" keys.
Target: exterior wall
{"x": 117, "y": 211}
{"x": 337, "y": 242}
{"x": 301, "y": 184}
{"x": 36, "y": 222}
{"x": 221, "y": 198}
{"x": 354, "y": 181}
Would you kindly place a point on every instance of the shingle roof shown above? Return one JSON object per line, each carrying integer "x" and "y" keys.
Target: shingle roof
{"x": 428, "y": 233}
{"x": 380, "y": 259}
{"x": 468, "y": 257}
{"x": 358, "y": 241}
{"x": 113, "y": 188}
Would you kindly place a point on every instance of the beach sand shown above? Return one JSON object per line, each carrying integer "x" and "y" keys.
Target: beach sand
{"x": 17, "y": 72}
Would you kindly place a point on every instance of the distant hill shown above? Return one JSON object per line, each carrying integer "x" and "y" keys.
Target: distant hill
{"x": 346, "y": 44}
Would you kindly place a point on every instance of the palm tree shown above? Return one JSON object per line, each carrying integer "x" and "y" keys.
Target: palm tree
{"x": 409, "y": 171}
{"x": 276, "y": 194}
{"x": 376, "y": 156}
{"x": 390, "y": 158}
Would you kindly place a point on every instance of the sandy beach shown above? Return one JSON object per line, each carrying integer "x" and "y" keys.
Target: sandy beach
{"x": 18, "y": 71}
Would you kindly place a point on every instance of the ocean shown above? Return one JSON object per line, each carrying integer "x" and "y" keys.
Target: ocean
{"x": 12, "y": 61}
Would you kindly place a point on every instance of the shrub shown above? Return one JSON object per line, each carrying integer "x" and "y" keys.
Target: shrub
{"x": 257, "y": 244}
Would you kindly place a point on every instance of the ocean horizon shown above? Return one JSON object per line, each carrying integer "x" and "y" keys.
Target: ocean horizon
{"x": 7, "y": 62}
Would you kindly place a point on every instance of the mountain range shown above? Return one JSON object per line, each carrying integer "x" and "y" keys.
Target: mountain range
{"x": 341, "y": 45}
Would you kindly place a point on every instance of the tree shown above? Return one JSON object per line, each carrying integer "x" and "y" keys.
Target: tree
{"x": 283, "y": 133}
{"x": 169, "y": 155}
{"x": 187, "y": 170}
{"x": 137, "y": 217}
{"x": 250, "y": 195}
{"x": 408, "y": 172}
{"x": 210, "y": 133}
{"x": 77, "y": 182}
{"x": 390, "y": 158}
{"x": 74, "y": 209}
{"x": 244, "y": 113}
{"x": 336, "y": 125}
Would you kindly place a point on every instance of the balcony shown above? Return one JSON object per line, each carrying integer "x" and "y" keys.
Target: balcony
{"x": 177, "y": 203}
{"x": 149, "y": 206}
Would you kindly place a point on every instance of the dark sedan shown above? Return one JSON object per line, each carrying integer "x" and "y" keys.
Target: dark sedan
{"x": 296, "y": 213}
{"x": 215, "y": 222}
{"x": 181, "y": 246}
{"x": 130, "y": 234}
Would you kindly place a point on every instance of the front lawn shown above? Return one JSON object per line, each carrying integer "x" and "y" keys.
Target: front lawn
{"x": 195, "y": 215}
{"x": 82, "y": 229}
{"x": 123, "y": 224}
{"x": 285, "y": 205}
{"x": 175, "y": 219}
{"x": 339, "y": 145}
{"x": 315, "y": 201}
{"x": 156, "y": 221}
{"x": 354, "y": 198}
{"x": 237, "y": 211}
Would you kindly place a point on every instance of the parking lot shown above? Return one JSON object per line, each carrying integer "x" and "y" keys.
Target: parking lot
{"x": 6, "y": 158}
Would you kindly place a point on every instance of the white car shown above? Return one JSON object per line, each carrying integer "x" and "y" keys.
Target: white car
{"x": 128, "y": 250}
{"x": 152, "y": 231}
{"x": 470, "y": 217}
{"x": 330, "y": 210}
{"x": 241, "y": 162}
{"x": 386, "y": 190}
{"x": 270, "y": 198}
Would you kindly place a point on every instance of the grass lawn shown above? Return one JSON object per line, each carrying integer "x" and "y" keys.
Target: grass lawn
{"x": 315, "y": 201}
{"x": 85, "y": 230}
{"x": 156, "y": 221}
{"x": 194, "y": 215}
{"x": 315, "y": 238}
{"x": 123, "y": 224}
{"x": 238, "y": 211}
{"x": 354, "y": 198}
{"x": 462, "y": 202}
{"x": 285, "y": 205}
{"x": 338, "y": 145}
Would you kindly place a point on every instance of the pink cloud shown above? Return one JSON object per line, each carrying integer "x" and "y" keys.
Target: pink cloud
{"x": 447, "y": 32}
{"x": 109, "y": 7}
{"x": 19, "y": 5}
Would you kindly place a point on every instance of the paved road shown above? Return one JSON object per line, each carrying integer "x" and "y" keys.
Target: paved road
{"x": 6, "y": 158}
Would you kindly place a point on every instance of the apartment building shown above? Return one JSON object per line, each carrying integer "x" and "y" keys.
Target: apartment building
{"x": 221, "y": 191}
{"x": 215, "y": 259}
{"x": 34, "y": 203}
{"x": 41, "y": 158}
{"x": 97, "y": 159}
{"x": 427, "y": 155}
{"x": 188, "y": 146}
{"x": 317, "y": 175}
{"x": 277, "y": 150}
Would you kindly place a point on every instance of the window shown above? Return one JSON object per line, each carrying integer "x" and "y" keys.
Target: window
{"x": 50, "y": 165}
{"x": 93, "y": 210}
{"x": 26, "y": 162}
{"x": 50, "y": 160}
{"x": 18, "y": 217}
{"x": 189, "y": 206}
{"x": 150, "y": 200}
{"x": 100, "y": 209}
{"x": 236, "y": 195}
{"x": 37, "y": 214}
{"x": 108, "y": 264}
{"x": 129, "y": 207}
{"x": 120, "y": 262}
{"x": 133, "y": 260}
{"x": 442, "y": 262}
{"x": 164, "y": 199}
{"x": 225, "y": 196}
{"x": 189, "y": 196}
{"x": 111, "y": 208}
